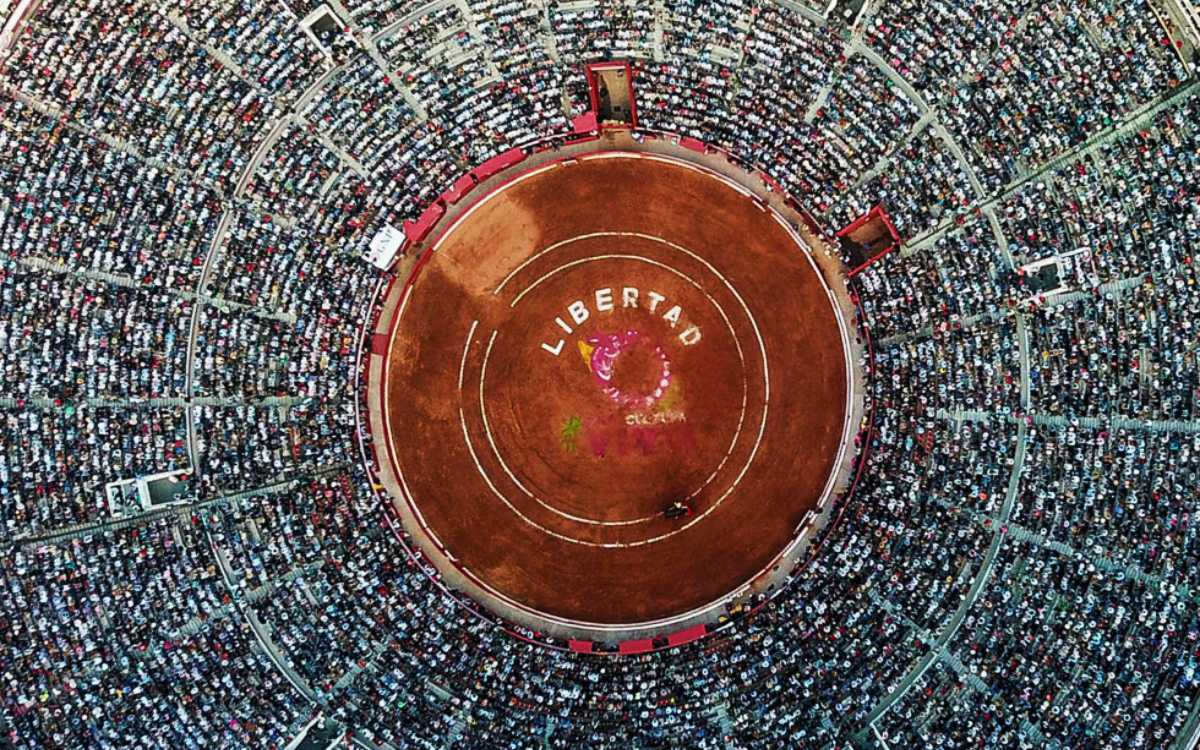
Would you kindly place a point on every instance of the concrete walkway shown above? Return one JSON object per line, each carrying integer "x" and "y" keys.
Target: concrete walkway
{"x": 1180, "y": 426}
{"x": 113, "y": 279}
{"x": 120, "y": 145}
{"x": 368, "y": 44}
{"x": 216, "y": 53}
{"x": 53, "y": 404}
{"x": 269, "y": 647}
{"x": 868, "y": 735}
{"x": 185, "y": 510}
{"x": 952, "y": 144}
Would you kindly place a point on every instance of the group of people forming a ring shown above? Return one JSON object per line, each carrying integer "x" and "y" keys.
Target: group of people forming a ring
{"x": 678, "y": 509}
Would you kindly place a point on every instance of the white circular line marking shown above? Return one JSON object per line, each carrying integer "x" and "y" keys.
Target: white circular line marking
{"x": 674, "y": 246}
{"x": 462, "y": 365}
{"x": 761, "y": 347}
{"x": 479, "y": 467}
{"x": 732, "y": 443}
{"x": 746, "y": 308}
{"x": 548, "y": 249}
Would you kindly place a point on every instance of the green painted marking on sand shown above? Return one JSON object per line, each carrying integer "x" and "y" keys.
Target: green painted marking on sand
{"x": 570, "y": 434}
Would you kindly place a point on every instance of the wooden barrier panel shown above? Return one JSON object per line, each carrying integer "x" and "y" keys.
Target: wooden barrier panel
{"x": 641, "y": 646}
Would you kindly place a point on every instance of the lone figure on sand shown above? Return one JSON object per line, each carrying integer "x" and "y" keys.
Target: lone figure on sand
{"x": 678, "y": 509}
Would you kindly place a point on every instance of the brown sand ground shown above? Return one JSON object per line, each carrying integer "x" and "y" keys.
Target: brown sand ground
{"x": 542, "y": 484}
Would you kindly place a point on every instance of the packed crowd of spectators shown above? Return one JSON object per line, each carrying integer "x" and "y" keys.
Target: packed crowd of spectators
{"x": 73, "y": 200}
{"x": 128, "y": 640}
{"x": 180, "y": 275}
{"x": 926, "y": 186}
{"x": 259, "y": 39}
{"x": 1067, "y": 75}
{"x": 1061, "y": 648}
{"x": 613, "y": 29}
{"x": 444, "y": 58}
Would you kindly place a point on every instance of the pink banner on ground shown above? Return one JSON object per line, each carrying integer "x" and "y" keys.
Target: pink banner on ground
{"x": 694, "y": 144}
{"x": 580, "y": 647}
{"x": 461, "y": 187}
{"x": 498, "y": 164}
{"x": 687, "y": 636}
{"x": 636, "y": 647}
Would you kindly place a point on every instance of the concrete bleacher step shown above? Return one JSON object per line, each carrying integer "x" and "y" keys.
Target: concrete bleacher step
{"x": 66, "y": 533}
{"x": 270, "y": 587}
{"x": 969, "y": 678}
{"x": 438, "y": 691}
{"x": 458, "y": 728}
{"x": 457, "y": 56}
{"x": 658, "y": 32}
{"x": 725, "y": 55}
{"x": 828, "y": 724}
{"x": 889, "y": 156}
{"x": 551, "y": 725}
{"x": 1017, "y": 532}
{"x": 406, "y": 93}
{"x": 720, "y": 714}
{"x": 1032, "y": 732}
{"x": 550, "y": 43}
{"x": 889, "y": 607}
{"x": 1181, "y": 426}
{"x": 342, "y": 154}
{"x": 1022, "y": 534}
{"x": 348, "y": 678}
{"x": 446, "y": 34}
{"x": 577, "y": 6}
{"x": 43, "y": 403}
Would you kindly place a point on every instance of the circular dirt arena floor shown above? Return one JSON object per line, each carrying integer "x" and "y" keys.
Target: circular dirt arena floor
{"x": 591, "y": 342}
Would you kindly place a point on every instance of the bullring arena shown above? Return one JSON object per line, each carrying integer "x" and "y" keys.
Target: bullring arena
{"x": 599, "y": 374}
{"x": 591, "y": 339}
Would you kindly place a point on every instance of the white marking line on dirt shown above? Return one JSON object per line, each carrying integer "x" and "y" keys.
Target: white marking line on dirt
{"x": 487, "y": 430}
{"x": 757, "y": 335}
{"x": 462, "y": 365}
{"x": 408, "y": 292}
{"x": 549, "y": 248}
{"x": 675, "y": 246}
{"x": 516, "y": 511}
{"x": 487, "y": 480}
{"x": 387, "y": 423}
{"x": 741, "y": 415}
